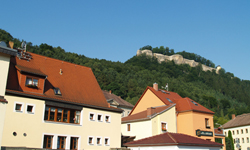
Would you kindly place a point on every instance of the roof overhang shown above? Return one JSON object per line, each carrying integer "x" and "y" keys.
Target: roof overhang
{"x": 8, "y": 51}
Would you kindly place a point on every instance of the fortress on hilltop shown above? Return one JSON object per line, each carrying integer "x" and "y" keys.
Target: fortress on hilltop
{"x": 178, "y": 59}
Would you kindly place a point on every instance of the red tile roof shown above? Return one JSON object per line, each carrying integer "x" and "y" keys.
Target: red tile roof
{"x": 182, "y": 104}
{"x": 118, "y": 99}
{"x": 168, "y": 138}
{"x": 241, "y": 120}
{"x": 143, "y": 115}
{"x": 76, "y": 83}
{"x": 218, "y": 131}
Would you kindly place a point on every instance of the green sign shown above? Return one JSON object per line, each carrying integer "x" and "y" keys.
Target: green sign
{"x": 203, "y": 133}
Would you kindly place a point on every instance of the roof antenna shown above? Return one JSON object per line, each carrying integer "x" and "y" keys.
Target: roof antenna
{"x": 166, "y": 87}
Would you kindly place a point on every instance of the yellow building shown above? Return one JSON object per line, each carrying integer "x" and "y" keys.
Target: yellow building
{"x": 5, "y": 54}
{"x": 153, "y": 121}
{"x": 56, "y": 104}
{"x": 191, "y": 118}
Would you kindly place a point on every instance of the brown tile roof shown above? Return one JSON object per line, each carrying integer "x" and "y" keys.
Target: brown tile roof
{"x": 241, "y": 120}
{"x": 118, "y": 99}
{"x": 76, "y": 83}
{"x": 182, "y": 104}
{"x": 168, "y": 138}
{"x": 143, "y": 115}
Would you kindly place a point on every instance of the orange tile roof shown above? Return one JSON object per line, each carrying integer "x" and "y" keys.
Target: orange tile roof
{"x": 118, "y": 99}
{"x": 168, "y": 138}
{"x": 143, "y": 115}
{"x": 76, "y": 83}
{"x": 182, "y": 104}
{"x": 241, "y": 120}
{"x": 218, "y": 131}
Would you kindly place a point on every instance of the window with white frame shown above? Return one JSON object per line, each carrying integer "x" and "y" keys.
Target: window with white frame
{"x": 92, "y": 116}
{"x": 99, "y": 117}
{"x": 30, "y": 108}
{"x": 91, "y": 140}
{"x": 18, "y": 107}
{"x": 164, "y": 127}
{"x": 47, "y": 141}
{"x": 246, "y": 130}
{"x": 128, "y": 127}
{"x": 107, "y": 118}
{"x": 98, "y": 140}
{"x": 106, "y": 141}
{"x": 73, "y": 143}
{"x": 31, "y": 82}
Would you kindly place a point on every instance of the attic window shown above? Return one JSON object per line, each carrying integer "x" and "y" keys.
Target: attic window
{"x": 57, "y": 91}
{"x": 163, "y": 92}
{"x": 194, "y": 103}
{"x": 169, "y": 100}
{"x": 31, "y": 82}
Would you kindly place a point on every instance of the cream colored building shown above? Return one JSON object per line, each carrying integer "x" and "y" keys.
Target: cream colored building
{"x": 54, "y": 104}
{"x": 240, "y": 128}
{"x": 153, "y": 121}
{"x": 5, "y": 54}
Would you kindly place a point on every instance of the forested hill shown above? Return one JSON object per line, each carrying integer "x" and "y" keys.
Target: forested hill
{"x": 222, "y": 93}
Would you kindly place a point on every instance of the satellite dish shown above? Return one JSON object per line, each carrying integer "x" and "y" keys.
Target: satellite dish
{"x": 2, "y": 43}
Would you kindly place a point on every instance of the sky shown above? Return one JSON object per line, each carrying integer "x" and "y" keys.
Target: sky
{"x": 115, "y": 29}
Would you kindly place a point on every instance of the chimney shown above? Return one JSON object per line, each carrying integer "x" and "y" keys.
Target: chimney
{"x": 150, "y": 111}
{"x": 110, "y": 92}
{"x": 109, "y": 105}
{"x": 155, "y": 86}
{"x": 11, "y": 44}
{"x": 233, "y": 116}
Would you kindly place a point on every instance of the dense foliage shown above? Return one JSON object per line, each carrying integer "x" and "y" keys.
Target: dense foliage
{"x": 222, "y": 93}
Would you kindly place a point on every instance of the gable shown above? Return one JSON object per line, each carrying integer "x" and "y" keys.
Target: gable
{"x": 148, "y": 99}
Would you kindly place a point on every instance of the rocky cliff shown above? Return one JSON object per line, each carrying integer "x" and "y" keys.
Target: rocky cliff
{"x": 178, "y": 59}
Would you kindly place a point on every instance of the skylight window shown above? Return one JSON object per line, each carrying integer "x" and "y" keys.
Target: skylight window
{"x": 57, "y": 91}
{"x": 169, "y": 100}
{"x": 194, "y": 103}
{"x": 163, "y": 92}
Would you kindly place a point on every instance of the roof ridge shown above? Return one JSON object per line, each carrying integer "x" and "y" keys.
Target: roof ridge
{"x": 54, "y": 59}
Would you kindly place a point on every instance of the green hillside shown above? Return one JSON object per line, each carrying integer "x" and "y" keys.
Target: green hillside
{"x": 222, "y": 93}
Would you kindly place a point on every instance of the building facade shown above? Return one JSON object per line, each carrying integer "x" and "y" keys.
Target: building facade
{"x": 56, "y": 104}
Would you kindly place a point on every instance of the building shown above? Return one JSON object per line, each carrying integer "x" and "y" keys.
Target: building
{"x": 191, "y": 118}
{"x": 239, "y": 127}
{"x": 153, "y": 121}
{"x": 56, "y": 104}
{"x": 170, "y": 141}
{"x": 118, "y": 102}
{"x": 5, "y": 54}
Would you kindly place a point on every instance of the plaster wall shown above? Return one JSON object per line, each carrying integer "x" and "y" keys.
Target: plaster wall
{"x": 240, "y": 135}
{"x": 4, "y": 65}
{"x": 148, "y": 100}
{"x": 35, "y": 127}
{"x": 140, "y": 129}
{"x": 174, "y": 148}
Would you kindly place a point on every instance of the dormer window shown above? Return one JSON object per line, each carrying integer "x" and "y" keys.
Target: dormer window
{"x": 31, "y": 82}
{"x": 57, "y": 91}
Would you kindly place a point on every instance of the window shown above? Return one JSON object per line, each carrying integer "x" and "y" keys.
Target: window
{"x": 237, "y": 131}
{"x": 18, "y": 107}
{"x": 233, "y": 132}
{"x": 123, "y": 113}
{"x": 247, "y": 140}
{"x": 225, "y": 133}
{"x": 62, "y": 115}
{"x": 61, "y": 140}
{"x": 73, "y": 143}
{"x": 246, "y": 130}
{"x": 30, "y": 108}
{"x": 164, "y": 126}
{"x": 128, "y": 127}
{"x": 91, "y": 140}
{"x": 92, "y": 116}
{"x": 47, "y": 141}
{"x": 99, "y": 117}
{"x": 242, "y": 140}
{"x": 107, "y": 118}
{"x": 128, "y": 112}
{"x": 169, "y": 100}
{"x": 234, "y": 140}
{"x": 31, "y": 82}
{"x": 99, "y": 141}
{"x": 207, "y": 123}
{"x": 106, "y": 141}
{"x": 241, "y": 131}
{"x": 57, "y": 91}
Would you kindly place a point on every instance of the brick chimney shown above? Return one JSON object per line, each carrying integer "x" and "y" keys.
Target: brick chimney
{"x": 150, "y": 111}
{"x": 233, "y": 116}
{"x": 110, "y": 92}
{"x": 155, "y": 86}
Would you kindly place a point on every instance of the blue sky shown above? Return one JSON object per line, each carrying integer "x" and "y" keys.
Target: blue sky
{"x": 114, "y": 29}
